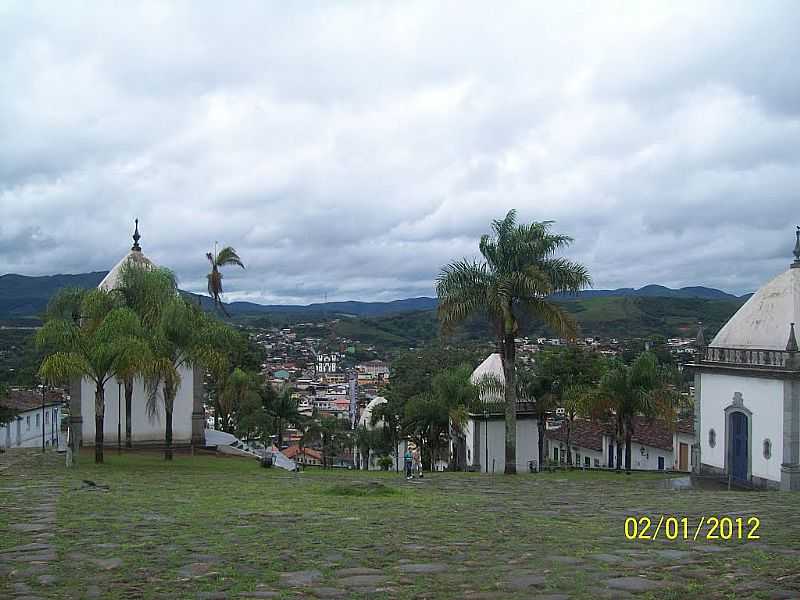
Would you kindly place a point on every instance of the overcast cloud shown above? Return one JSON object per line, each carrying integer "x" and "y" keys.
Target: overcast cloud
{"x": 352, "y": 149}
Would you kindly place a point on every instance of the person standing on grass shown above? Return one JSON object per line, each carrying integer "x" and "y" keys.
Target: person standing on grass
{"x": 407, "y": 461}
{"x": 416, "y": 459}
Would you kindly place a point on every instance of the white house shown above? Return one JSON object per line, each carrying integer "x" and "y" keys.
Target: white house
{"x": 654, "y": 445}
{"x": 481, "y": 446}
{"x": 747, "y": 389}
{"x": 32, "y": 419}
{"x": 188, "y": 418}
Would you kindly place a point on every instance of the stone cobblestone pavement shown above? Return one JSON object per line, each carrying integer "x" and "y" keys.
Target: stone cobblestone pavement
{"x": 214, "y": 528}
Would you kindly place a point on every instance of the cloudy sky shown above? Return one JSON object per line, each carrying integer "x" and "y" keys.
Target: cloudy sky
{"x": 352, "y": 149}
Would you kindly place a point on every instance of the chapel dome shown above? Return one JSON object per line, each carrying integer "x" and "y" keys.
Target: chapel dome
{"x": 765, "y": 321}
{"x": 491, "y": 367}
{"x": 135, "y": 256}
{"x": 366, "y": 416}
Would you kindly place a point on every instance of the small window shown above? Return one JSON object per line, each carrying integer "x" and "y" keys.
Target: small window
{"x": 37, "y": 420}
{"x": 555, "y": 454}
{"x": 712, "y": 438}
{"x": 47, "y": 417}
{"x": 587, "y": 462}
{"x": 767, "y": 449}
{"x": 660, "y": 463}
{"x": 28, "y": 423}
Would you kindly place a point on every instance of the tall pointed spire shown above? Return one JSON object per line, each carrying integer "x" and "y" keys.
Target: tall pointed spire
{"x": 136, "y": 237}
{"x": 791, "y": 345}
{"x": 796, "y": 263}
{"x": 701, "y": 338}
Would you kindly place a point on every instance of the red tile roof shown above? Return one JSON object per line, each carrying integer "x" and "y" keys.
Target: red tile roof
{"x": 588, "y": 434}
{"x": 23, "y": 400}
{"x": 293, "y": 451}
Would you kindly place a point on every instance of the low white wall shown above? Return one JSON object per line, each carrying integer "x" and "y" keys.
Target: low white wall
{"x": 527, "y": 444}
{"x": 144, "y": 429}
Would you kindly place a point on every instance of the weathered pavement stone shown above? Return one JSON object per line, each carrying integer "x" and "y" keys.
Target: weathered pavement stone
{"x": 300, "y": 578}
{"x": 633, "y": 584}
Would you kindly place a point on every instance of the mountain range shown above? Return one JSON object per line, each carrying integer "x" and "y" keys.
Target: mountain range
{"x": 26, "y": 297}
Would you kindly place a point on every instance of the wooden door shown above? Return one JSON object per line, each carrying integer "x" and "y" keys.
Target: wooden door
{"x": 683, "y": 457}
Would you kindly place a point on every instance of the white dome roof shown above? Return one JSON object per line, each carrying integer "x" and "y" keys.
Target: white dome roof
{"x": 366, "y": 416}
{"x": 112, "y": 280}
{"x": 765, "y": 319}
{"x": 492, "y": 367}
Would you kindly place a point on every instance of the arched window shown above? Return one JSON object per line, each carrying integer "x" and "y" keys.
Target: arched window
{"x": 712, "y": 438}
{"x": 767, "y": 449}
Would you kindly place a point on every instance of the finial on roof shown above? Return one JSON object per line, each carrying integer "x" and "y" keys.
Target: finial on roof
{"x": 791, "y": 345}
{"x": 701, "y": 338}
{"x": 136, "y": 238}
{"x": 796, "y": 263}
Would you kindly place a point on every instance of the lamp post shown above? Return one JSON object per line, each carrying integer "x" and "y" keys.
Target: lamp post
{"x": 119, "y": 417}
{"x": 486, "y": 438}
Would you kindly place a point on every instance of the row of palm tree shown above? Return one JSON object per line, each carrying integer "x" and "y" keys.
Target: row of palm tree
{"x": 143, "y": 328}
{"x": 589, "y": 387}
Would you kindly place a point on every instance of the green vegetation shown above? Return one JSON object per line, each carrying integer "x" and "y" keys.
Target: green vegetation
{"x": 519, "y": 274}
{"x": 202, "y": 525}
{"x": 362, "y": 489}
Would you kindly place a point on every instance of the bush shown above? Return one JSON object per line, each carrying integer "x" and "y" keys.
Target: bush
{"x": 385, "y": 463}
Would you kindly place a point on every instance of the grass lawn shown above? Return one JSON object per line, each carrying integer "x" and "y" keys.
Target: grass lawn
{"x": 207, "y": 527}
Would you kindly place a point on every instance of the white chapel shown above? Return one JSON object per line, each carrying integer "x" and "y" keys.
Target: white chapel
{"x": 747, "y": 389}
{"x": 188, "y": 413}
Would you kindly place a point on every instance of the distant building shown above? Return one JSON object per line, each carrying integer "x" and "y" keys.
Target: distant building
{"x": 655, "y": 446}
{"x": 377, "y": 369}
{"x": 25, "y": 429}
{"x": 303, "y": 456}
{"x": 327, "y": 363}
{"x": 747, "y": 389}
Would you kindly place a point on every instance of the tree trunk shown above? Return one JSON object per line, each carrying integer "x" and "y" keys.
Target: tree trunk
{"x": 569, "y": 441}
{"x": 618, "y": 439}
{"x": 280, "y": 433}
{"x": 168, "y": 435}
{"x": 169, "y": 404}
{"x": 128, "y": 410}
{"x": 542, "y": 428}
{"x": 628, "y": 433}
{"x": 508, "y": 358}
{"x": 99, "y": 415}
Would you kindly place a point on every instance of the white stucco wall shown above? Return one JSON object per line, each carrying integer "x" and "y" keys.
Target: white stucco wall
{"x": 143, "y": 427}
{"x": 649, "y": 460}
{"x": 24, "y": 432}
{"x": 527, "y": 444}
{"x": 764, "y": 398}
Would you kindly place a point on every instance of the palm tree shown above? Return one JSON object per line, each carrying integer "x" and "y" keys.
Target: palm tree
{"x": 642, "y": 388}
{"x": 239, "y": 388}
{"x": 333, "y": 434}
{"x": 519, "y": 273}
{"x": 284, "y": 409}
{"x": 184, "y": 337}
{"x": 91, "y": 335}
{"x": 226, "y": 256}
{"x": 146, "y": 290}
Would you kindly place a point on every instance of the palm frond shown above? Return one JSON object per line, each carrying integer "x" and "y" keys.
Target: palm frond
{"x": 228, "y": 256}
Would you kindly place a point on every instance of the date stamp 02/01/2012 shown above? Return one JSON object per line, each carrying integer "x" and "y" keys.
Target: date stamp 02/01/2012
{"x": 711, "y": 528}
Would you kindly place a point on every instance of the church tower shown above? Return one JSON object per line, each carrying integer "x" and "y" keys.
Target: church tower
{"x": 747, "y": 389}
